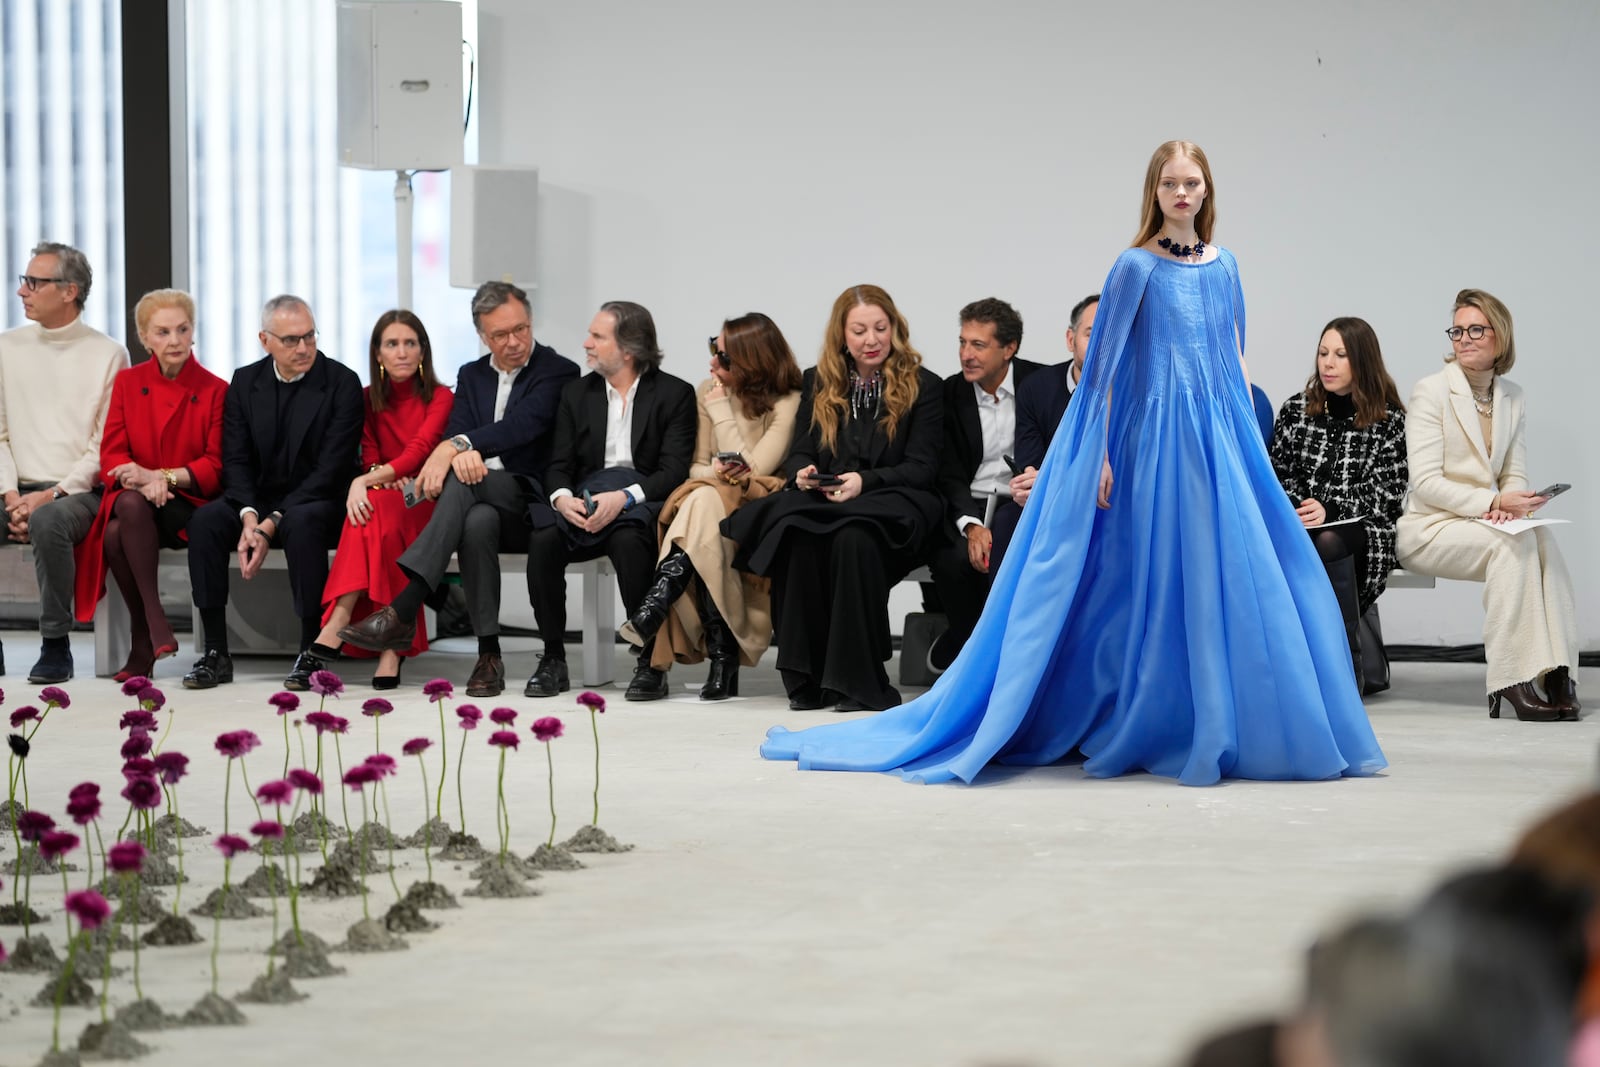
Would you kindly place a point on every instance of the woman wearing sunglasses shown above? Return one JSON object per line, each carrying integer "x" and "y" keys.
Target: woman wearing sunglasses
{"x": 1464, "y": 438}
{"x": 747, "y": 409}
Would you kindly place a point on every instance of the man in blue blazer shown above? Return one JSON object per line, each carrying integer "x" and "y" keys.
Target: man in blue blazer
{"x": 484, "y": 475}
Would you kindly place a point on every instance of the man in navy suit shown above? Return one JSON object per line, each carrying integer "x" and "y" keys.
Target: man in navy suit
{"x": 485, "y": 474}
{"x": 291, "y": 436}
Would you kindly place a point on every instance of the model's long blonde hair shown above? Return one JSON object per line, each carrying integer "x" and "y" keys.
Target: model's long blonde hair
{"x": 830, "y": 403}
{"x": 1151, "y": 218}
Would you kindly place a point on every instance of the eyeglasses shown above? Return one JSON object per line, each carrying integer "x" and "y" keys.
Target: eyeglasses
{"x": 1475, "y": 332}
{"x": 294, "y": 340}
{"x": 500, "y": 337}
{"x": 718, "y": 354}
{"x": 30, "y": 283}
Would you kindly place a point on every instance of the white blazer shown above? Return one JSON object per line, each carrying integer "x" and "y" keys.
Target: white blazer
{"x": 1453, "y": 474}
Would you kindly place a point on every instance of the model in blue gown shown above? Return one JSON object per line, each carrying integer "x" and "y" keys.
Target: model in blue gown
{"x": 1188, "y": 630}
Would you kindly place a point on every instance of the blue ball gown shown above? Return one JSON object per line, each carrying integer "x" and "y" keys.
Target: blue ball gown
{"x": 1189, "y": 630}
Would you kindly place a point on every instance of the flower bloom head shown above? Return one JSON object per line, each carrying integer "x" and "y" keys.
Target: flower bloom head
{"x": 53, "y": 844}
{"x": 31, "y": 825}
{"x": 236, "y": 743}
{"x": 304, "y": 779}
{"x": 284, "y": 702}
{"x": 415, "y": 747}
{"x": 438, "y": 689}
{"x": 504, "y": 739}
{"x": 360, "y": 776}
{"x": 22, "y": 715}
{"x": 151, "y": 698}
{"x": 279, "y": 792}
{"x": 142, "y": 793}
{"x": 126, "y": 857}
{"x": 375, "y": 706}
{"x": 339, "y": 725}
{"x": 83, "y": 803}
{"x": 469, "y": 715}
{"x": 547, "y": 729}
{"x": 171, "y": 766}
{"x": 591, "y": 700}
{"x": 230, "y": 845}
{"x": 382, "y": 763}
{"x": 138, "y": 767}
{"x": 326, "y": 684}
{"x": 89, "y": 908}
{"x": 84, "y": 789}
{"x": 320, "y": 720}
{"x": 139, "y": 719}
{"x": 503, "y": 716}
{"x": 268, "y": 829}
{"x": 54, "y": 696}
{"x": 138, "y": 744}
{"x": 131, "y": 687}
{"x": 19, "y": 745}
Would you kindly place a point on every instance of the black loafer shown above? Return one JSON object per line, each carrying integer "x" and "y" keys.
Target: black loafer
{"x": 648, "y": 684}
{"x": 809, "y": 699}
{"x": 305, "y": 665}
{"x": 53, "y": 668}
{"x": 209, "y": 671}
{"x": 549, "y": 679}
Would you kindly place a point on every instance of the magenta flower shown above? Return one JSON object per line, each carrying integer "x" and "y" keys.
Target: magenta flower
{"x": 84, "y": 809}
{"x": 138, "y": 720}
{"x": 152, "y": 698}
{"x": 279, "y": 792}
{"x": 383, "y": 764}
{"x": 22, "y": 715}
{"x": 230, "y": 845}
{"x": 171, "y": 766}
{"x": 592, "y": 700}
{"x": 376, "y": 706}
{"x": 360, "y": 776}
{"x": 547, "y": 729}
{"x": 326, "y": 684}
{"x": 284, "y": 702}
{"x": 303, "y": 779}
{"x": 320, "y": 720}
{"x": 268, "y": 829}
{"x": 56, "y": 843}
{"x": 439, "y": 687}
{"x": 503, "y": 716}
{"x": 32, "y": 824}
{"x": 126, "y": 857}
{"x": 84, "y": 789}
{"x": 131, "y": 687}
{"x": 142, "y": 793}
{"x": 90, "y": 908}
{"x": 138, "y": 744}
{"x": 470, "y": 716}
{"x": 237, "y": 743}
{"x": 505, "y": 739}
{"x": 54, "y": 696}
{"x": 415, "y": 747}
{"x": 138, "y": 767}
{"x": 339, "y": 725}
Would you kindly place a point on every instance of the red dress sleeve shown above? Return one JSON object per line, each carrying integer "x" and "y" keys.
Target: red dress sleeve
{"x": 428, "y": 434}
{"x": 369, "y": 432}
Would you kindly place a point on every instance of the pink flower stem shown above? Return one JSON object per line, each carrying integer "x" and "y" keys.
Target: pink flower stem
{"x": 177, "y": 840}
{"x": 105, "y": 865}
{"x": 286, "y": 751}
{"x": 244, "y": 776}
{"x": 171, "y": 715}
{"x": 138, "y": 887}
{"x": 551, "y": 761}
{"x": 502, "y": 816}
{"x": 361, "y": 850}
{"x": 105, "y": 970}
{"x": 294, "y": 879}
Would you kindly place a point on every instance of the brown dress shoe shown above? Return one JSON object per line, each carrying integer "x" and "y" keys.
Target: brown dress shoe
{"x": 1563, "y": 693}
{"x": 382, "y": 631}
{"x": 488, "y": 677}
{"x": 1526, "y": 702}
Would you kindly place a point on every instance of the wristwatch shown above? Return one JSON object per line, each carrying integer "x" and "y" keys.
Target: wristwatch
{"x": 460, "y": 442}
{"x": 56, "y": 492}
{"x": 171, "y": 476}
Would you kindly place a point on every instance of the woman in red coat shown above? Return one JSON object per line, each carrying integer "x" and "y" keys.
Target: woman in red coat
{"x": 160, "y": 458}
{"x": 407, "y": 410}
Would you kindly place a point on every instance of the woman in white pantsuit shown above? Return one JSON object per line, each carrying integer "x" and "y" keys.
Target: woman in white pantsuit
{"x": 1464, "y": 439}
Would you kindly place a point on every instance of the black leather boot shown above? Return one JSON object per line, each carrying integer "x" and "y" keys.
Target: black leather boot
{"x": 1342, "y": 576}
{"x": 672, "y": 578}
{"x": 722, "y": 649}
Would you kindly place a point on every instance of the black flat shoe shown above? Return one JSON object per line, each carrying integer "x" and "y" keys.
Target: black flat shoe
{"x": 209, "y": 671}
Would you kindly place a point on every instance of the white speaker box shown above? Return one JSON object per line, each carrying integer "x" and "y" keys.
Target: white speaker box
{"x": 492, "y": 225}
{"x": 400, "y": 100}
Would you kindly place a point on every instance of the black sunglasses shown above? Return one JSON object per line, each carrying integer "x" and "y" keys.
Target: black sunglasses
{"x": 720, "y": 356}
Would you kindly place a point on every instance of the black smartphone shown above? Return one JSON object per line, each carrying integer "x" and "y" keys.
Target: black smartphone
{"x": 732, "y": 457}
{"x": 1554, "y": 490}
{"x": 1012, "y": 463}
{"x": 827, "y": 479}
{"x": 588, "y": 503}
{"x": 411, "y": 493}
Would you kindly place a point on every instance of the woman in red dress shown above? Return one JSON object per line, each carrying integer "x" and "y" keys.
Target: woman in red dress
{"x": 407, "y": 410}
{"x": 160, "y": 458}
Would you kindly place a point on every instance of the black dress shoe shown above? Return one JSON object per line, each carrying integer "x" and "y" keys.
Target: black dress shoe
{"x": 305, "y": 665}
{"x": 53, "y": 668}
{"x": 549, "y": 679}
{"x": 890, "y": 699}
{"x": 488, "y": 677}
{"x": 382, "y": 631}
{"x": 648, "y": 684}
{"x": 209, "y": 671}
{"x": 812, "y": 699}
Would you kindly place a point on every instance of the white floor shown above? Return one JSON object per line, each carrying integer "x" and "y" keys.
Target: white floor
{"x": 784, "y": 918}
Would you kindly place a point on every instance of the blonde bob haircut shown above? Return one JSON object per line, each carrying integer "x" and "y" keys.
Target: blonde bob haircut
{"x": 1499, "y": 316}
{"x": 830, "y": 404}
{"x": 154, "y": 301}
{"x": 1150, "y": 217}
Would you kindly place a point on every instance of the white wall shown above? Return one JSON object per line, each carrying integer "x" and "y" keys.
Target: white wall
{"x": 708, "y": 157}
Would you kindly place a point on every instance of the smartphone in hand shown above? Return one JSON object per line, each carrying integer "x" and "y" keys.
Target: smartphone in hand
{"x": 729, "y": 458}
{"x": 588, "y": 504}
{"x": 411, "y": 492}
{"x": 827, "y": 479}
{"x": 1555, "y": 489}
{"x": 1011, "y": 462}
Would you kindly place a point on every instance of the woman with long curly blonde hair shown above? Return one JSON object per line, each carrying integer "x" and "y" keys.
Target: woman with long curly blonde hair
{"x": 863, "y": 466}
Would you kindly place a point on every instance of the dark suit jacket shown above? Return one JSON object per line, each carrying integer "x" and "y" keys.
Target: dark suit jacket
{"x": 324, "y": 435}
{"x": 911, "y": 460}
{"x": 522, "y": 437}
{"x": 962, "y": 451}
{"x": 664, "y": 423}
{"x": 1039, "y": 411}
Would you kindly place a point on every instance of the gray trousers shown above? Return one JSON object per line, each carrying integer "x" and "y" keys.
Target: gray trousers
{"x": 54, "y": 530}
{"x": 476, "y": 522}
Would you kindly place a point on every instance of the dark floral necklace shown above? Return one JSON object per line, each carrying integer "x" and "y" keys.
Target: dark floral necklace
{"x": 1182, "y": 251}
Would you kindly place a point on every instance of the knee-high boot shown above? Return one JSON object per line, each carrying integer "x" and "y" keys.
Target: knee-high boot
{"x": 1342, "y": 576}
{"x": 672, "y": 578}
{"x": 722, "y": 649}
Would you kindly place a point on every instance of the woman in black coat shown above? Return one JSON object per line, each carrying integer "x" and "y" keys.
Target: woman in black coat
{"x": 858, "y": 508}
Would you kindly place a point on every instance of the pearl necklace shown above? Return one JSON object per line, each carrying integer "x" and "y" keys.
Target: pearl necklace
{"x": 1484, "y": 405}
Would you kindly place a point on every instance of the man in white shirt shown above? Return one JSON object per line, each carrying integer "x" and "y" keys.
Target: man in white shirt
{"x": 55, "y": 386}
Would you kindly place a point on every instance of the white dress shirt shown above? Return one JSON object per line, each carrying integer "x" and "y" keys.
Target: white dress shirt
{"x": 997, "y": 418}
{"x": 502, "y": 397}
{"x": 619, "y": 437}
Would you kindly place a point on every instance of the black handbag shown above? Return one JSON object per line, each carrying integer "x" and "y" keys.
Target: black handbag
{"x": 1374, "y": 659}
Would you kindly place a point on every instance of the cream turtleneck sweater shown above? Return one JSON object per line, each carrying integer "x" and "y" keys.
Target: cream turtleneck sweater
{"x": 55, "y": 386}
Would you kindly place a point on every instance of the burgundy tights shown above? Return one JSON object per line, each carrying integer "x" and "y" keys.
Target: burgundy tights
{"x": 133, "y": 544}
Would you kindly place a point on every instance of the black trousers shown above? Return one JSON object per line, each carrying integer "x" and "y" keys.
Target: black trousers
{"x": 631, "y": 547}
{"x": 308, "y": 532}
{"x": 961, "y": 589}
{"x": 475, "y": 523}
{"x": 830, "y": 607}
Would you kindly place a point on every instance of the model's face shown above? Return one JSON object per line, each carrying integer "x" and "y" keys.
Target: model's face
{"x": 1333, "y": 365}
{"x": 291, "y": 341}
{"x": 52, "y": 304}
{"x": 600, "y": 349}
{"x": 508, "y": 331}
{"x": 868, "y": 335}
{"x": 399, "y": 351}
{"x": 1180, "y": 190}
{"x": 983, "y": 358}
{"x": 168, "y": 337}
{"x": 1474, "y": 354}
{"x": 1078, "y": 336}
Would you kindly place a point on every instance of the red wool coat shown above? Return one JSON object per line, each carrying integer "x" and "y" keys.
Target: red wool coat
{"x": 159, "y": 424}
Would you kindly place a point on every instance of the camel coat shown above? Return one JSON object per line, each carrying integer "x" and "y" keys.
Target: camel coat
{"x": 694, "y": 512}
{"x": 1529, "y": 624}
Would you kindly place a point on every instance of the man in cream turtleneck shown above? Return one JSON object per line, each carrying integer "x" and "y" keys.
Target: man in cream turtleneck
{"x": 55, "y": 384}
